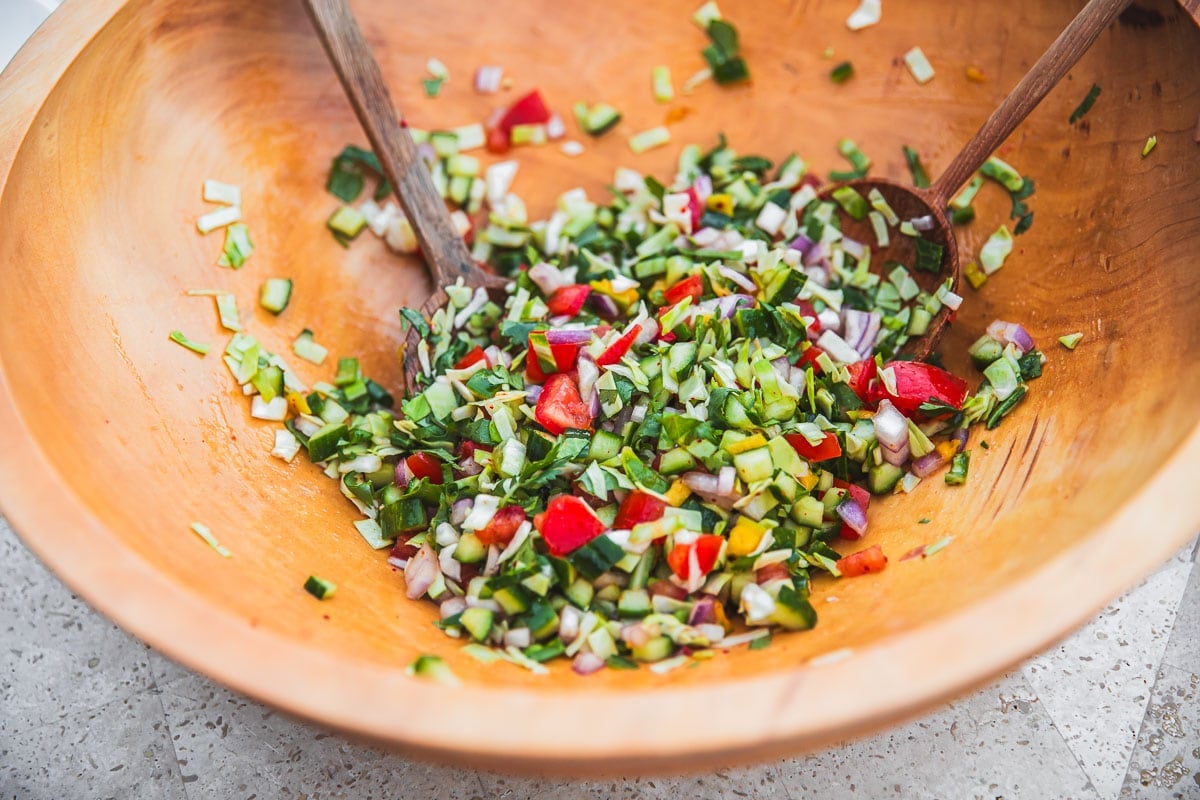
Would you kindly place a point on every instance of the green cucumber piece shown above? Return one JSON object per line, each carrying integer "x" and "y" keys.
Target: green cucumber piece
{"x": 655, "y": 649}
{"x": 477, "y": 622}
{"x": 754, "y": 465}
{"x": 882, "y": 478}
{"x": 634, "y": 603}
{"x": 470, "y": 550}
{"x": 275, "y": 294}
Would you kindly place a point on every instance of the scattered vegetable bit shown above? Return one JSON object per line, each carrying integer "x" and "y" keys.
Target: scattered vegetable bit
{"x": 219, "y": 218}
{"x": 434, "y": 668}
{"x": 488, "y": 78}
{"x": 275, "y": 294}
{"x": 664, "y": 91}
{"x": 1085, "y": 105}
{"x": 698, "y": 78}
{"x": 346, "y": 223}
{"x": 924, "y": 521}
{"x": 195, "y": 347}
{"x": 1003, "y": 173}
{"x": 939, "y": 545}
{"x": 958, "y": 472}
{"x": 204, "y": 533}
{"x": 597, "y": 119}
{"x": 859, "y": 162}
{"x": 224, "y": 193}
{"x": 571, "y": 148}
{"x": 868, "y": 13}
{"x": 842, "y": 72}
{"x": 760, "y": 643}
{"x": 438, "y": 74}
{"x": 1150, "y": 144}
{"x": 307, "y": 348}
{"x": 648, "y": 140}
{"x": 1071, "y": 340}
{"x": 918, "y": 65}
{"x": 319, "y": 588}
{"x": 238, "y": 246}
{"x": 915, "y": 168}
{"x": 995, "y": 250}
{"x": 975, "y": 75}
{"x": 227, "y": 312}
{"x": 346, "y": 179}
{"x": 722, "y": 55}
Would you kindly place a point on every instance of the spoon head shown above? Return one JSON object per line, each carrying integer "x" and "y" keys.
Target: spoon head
{"x": 909, "y": 203}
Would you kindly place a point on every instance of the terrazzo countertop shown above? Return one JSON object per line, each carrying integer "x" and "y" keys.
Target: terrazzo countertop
{"x": 86, "y": 711}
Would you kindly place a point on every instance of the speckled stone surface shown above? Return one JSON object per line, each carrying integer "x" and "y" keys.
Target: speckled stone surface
{"x": 88, "y": 712}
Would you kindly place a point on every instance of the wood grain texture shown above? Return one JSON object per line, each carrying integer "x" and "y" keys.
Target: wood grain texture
{"x": 115, "y": 439}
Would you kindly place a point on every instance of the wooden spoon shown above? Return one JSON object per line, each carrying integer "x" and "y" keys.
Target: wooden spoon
{"x": 444, "y": 250}
{"x": 911, "y": 203}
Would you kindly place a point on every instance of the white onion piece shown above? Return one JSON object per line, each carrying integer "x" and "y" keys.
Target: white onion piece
{"x": 891, "y": 431}
{"x": 711, "y": 631}
{"x": 450, "y": 566}
{"x": 420, "y": 572}
{"x": 518, "y": 637}
{"x": 492, "y": 565}
{"x": 830, "y": 320}
{"x": 568, "y": 623}
{"x": 587, "y": 662}
{"x": 547, "y": 277}
{"x": 738, "y": 278}
{"x": 452, "y": 606}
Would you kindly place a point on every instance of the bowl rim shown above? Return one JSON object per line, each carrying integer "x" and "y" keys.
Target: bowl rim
{"x": 778, "y": 713}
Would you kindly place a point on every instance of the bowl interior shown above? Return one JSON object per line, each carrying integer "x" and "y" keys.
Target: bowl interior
{"x": 144, "y": 437}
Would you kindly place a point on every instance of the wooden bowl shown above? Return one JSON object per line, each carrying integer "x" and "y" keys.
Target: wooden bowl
{"x": 115, "y": 439}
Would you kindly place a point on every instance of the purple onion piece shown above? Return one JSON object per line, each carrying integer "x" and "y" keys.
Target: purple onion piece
{"x": 703, "y": 187}
{"x": 452, "y": 606}
{"x": 801, "y": 243}
{"x": 703, "y": 612}
{"x": 518, "y": 637}
{"x": 420, "y": 572}
{"x": 960, "y": 437}
{"x": 924, "y": 223}
{"x": 403, "y": 476}
{"x": 535, "y": 390}
{"x": 732, "y": 275}
{"x": 603, "y": 306}
{"x": 547, "y": 277}
{"x": 853, "y": 514}
{"x": 928, "y": 464}
{"x": 587, "y": 662}
{"x": 569, "y": 335}
{"x": 1011, "y": 333}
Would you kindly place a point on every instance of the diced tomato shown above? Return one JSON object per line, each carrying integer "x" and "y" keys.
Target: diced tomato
{"x": 423, "y": 465}
{"x": 567, "y": 524}
{"x": 498, "y": 141}
{"x": 638, "y": 507}
{"x": 617, "y": 350}
{"x": 402, "y": 549}
{"x": 707, "y": 548}
{"x": 692, "y": 287}
{"x": 695, "y": 207}
{"x": 529, "y": 109}
{"x": 564, "y": 361}
{"x": 472, "y": 357}
{"x": 663, "y": 586}
{"x": 568, "y": 300}
{"x": 807, "y": 309}
{"x": 808, "y": 358}
{"x": 829, "y": 447}
{"x": 870, "y": 560}
{"x": 467, "y": 449}
{"x": 861, "y": 375}
{"x": 772, "y": 572}
{"x": 918, "y": 382}
{"x": 560, "y": 407}
{"x": 859, "y": 495}
{"x": 503, "y": 526}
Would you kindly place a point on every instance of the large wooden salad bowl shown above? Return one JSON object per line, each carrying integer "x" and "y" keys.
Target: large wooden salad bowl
{"x": 115, "y": 439}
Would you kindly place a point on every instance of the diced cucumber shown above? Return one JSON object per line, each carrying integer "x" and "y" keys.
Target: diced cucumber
{"x": 754, "y": 465}
{"x": 599, "y": 119}
{"x": 793, "y": 611}
{"x": 402, "y": 516}
{"x": 681, "y": 358}
{"x": 808, "y": 510}
{"x": 985, "y": 351}
{"x": 676, "y": 460}
{"x": 513, "y": 599}
{"x": 655, "y": 649}
{"x": 544, "y": 652}
{"x": 538, "y": 445}
{"x": 275, "y": 294}
{"x": 432, "y": 667}
{"x": 605, "y": 445}
{"x": 785, "y": 285}
{"x": 541, "y": 620}
{"x": 477, "y": 622}
{"x": 324, "y": 443}
{"x": 882, "y": 478}
{"x": 470, "y": 550}
{"x": 347, "y": 222}
{"x": 538, "y": 583}
{"x": 580, "y": 592}
{"x": 319, "y": 587}
{"x": 634, "y": 603}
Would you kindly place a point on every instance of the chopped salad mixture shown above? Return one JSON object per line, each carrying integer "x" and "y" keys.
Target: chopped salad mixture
{"x": 675, "y": 421}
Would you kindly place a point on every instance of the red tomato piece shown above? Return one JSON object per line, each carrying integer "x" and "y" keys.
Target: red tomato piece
{"x": 617, "y": 350}
{"x": 529, "y": 109}
{"x": 829, "y": 448}
{"x": 467, "y": 449}
{"x": 695, "y": 207}
{"x": 860, "y": 496}
{"x": 473, "y": 356}
{"x": 638, "y": 507}
{"x": 870, "y": 560}
{"x": 564, "y": 361}
{"x": 707, "y": 548}
{"x": 917, "y": 382}
{"x": 772, "y": 572}
{"x": 808, "y": 358}
{"x": 861, "y": 375}
{"x": 423, "y": 465}
{"x": 567, "y": 524}
{"x": 560, "y": 407}
{"x": 692, "y": 287}
{"x": 498, "y": 141}
{"x": 568, "y": 300}
{"x": 503, "y": 526}
{"x": 807, "y": 309}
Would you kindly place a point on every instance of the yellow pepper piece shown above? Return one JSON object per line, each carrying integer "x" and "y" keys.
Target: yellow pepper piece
{"x": 677, "y": 493}
{"x": 745, "y": 536}
{"x": 809, "y": 481}
{"x": 976, "y": 276}
{"x": 975, "y": 75}
{"x": 297, "y": 401}
{"x": 948, "y": 449}
{"x": 721, "y": 203}
{"x": 749, "y": 443}
{"x": 624, "y": 299}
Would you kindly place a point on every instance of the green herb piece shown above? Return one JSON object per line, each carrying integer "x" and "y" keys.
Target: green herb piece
{"x": 346, "y": 178}
{"x": 722, "y": 55}
{"x": 202, "y": 530}
{"x": 842, "y": 72}
{"x": 924, "y": 521}
{"x": 1085, "y": 105}
{"x": 238, "y": 246}
{"x": 620, "y": 662}
{"x": 1071, "y": 340}
{"x": 1150, "y": 144}
{"x": 196, "y": 347}
{"x": 959, "y": 465}
{"x": 319, "y": 588}
{"x": 915, "y": 168}
{"x": 436, "y": 669}
{"x": 432, "y": 86}
{"x": 1024, "y": 224}
{"x": 929, "y": 256}
{"x": 761, "y": 643}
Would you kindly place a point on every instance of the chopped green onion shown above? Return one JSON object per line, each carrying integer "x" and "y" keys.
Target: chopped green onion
{"x": 995, "y": 250}
{"x": 434, "y": 668}
{"x": 650, "y": 139}
{"x": 959, "y": 465}
{"x": 942, "y": 543}
{"x": 346, "y": 223}
{"x": 1071, "y": 340}
{"x": 227, "y": 311}
{"x": 929, "y": 256}
{"x": 1150, "y": 144}
{"x": 698, "y": 78}
{"x": 598, "y": 119}
{"x": 967, "y": 195}
{"x": 224, "y": 193}
{"x": 209, "y": 222}
{"x": 842, "y": 72}
{"x": 705, "y": 14}
{"x": 319, "y": 587}
{"x": 868, "y": 13}
{"x": 664, "y": 92}
{"x": 1003, "y": 173}
{"x": 305, "y": 347}
{"x": 924, "y": 521}
{"x": 238, "y": 246}
{"x": 961, "y": 216}
{"x": 919, "y": 65}
{"x": 1085, "y": 105}
{"x": 915, "y": 168}
{"x": 275, "y": 294}
{"x": 195, "y": 347}
{"x": 974, "y": 275}
{"x": 204, "y": 533}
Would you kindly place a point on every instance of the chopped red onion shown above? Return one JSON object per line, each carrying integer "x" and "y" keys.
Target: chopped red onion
{"x": 555, "y": 127}
{"x": 928, "y": 464}
{"x": 704, "y": 611}
{"x": 568, "y": 623}
{"x": 725, "y": 479}
{"x": 703, "y": 187}
{"x": 487, "y": 79}
{"x": 738, "y": 278}
{"x": 426, "y": 152}
{"x": 891, "y": 431}
{"x": 569, "y": 335}
{"x": 403, "y": 476}
{"x": 635, "y": 635}
{"x": 460, "y": 510}
{"x": 730, "y": 303}
{"x": 924, "y": 223}
{"x": 705, "y": 237}
{"x": 587, "y": 662}
{"x": 1011, "y": 333}
{"x": 853, "y": 514}
{"x": 802, "y": 243}
{"x": 420, "y": 572}
{"x": 854, "y": 248}
{"x": 960, "y": 437}
{"x": 452, "y": 606}
{"x": 492, "y": 566}
{"x": 830, "y": 320}
{"x": 589, "y": 373}
{"x": 817, "y": 274}
{"x": 711, "y": 631}
{"x": 702, "y": 483}
{"x": 604, "y": 306}
{"x": 535, "y": 390}
{"x": 450, "y": 566}
{"x": 518, "y": 637}
{"x": 649, "y": 332}
{"x": 547, "y": 277}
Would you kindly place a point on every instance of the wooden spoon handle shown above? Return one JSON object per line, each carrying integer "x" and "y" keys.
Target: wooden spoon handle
{"x": 444, "y": 249}
{"x": 1067, "y": 49}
